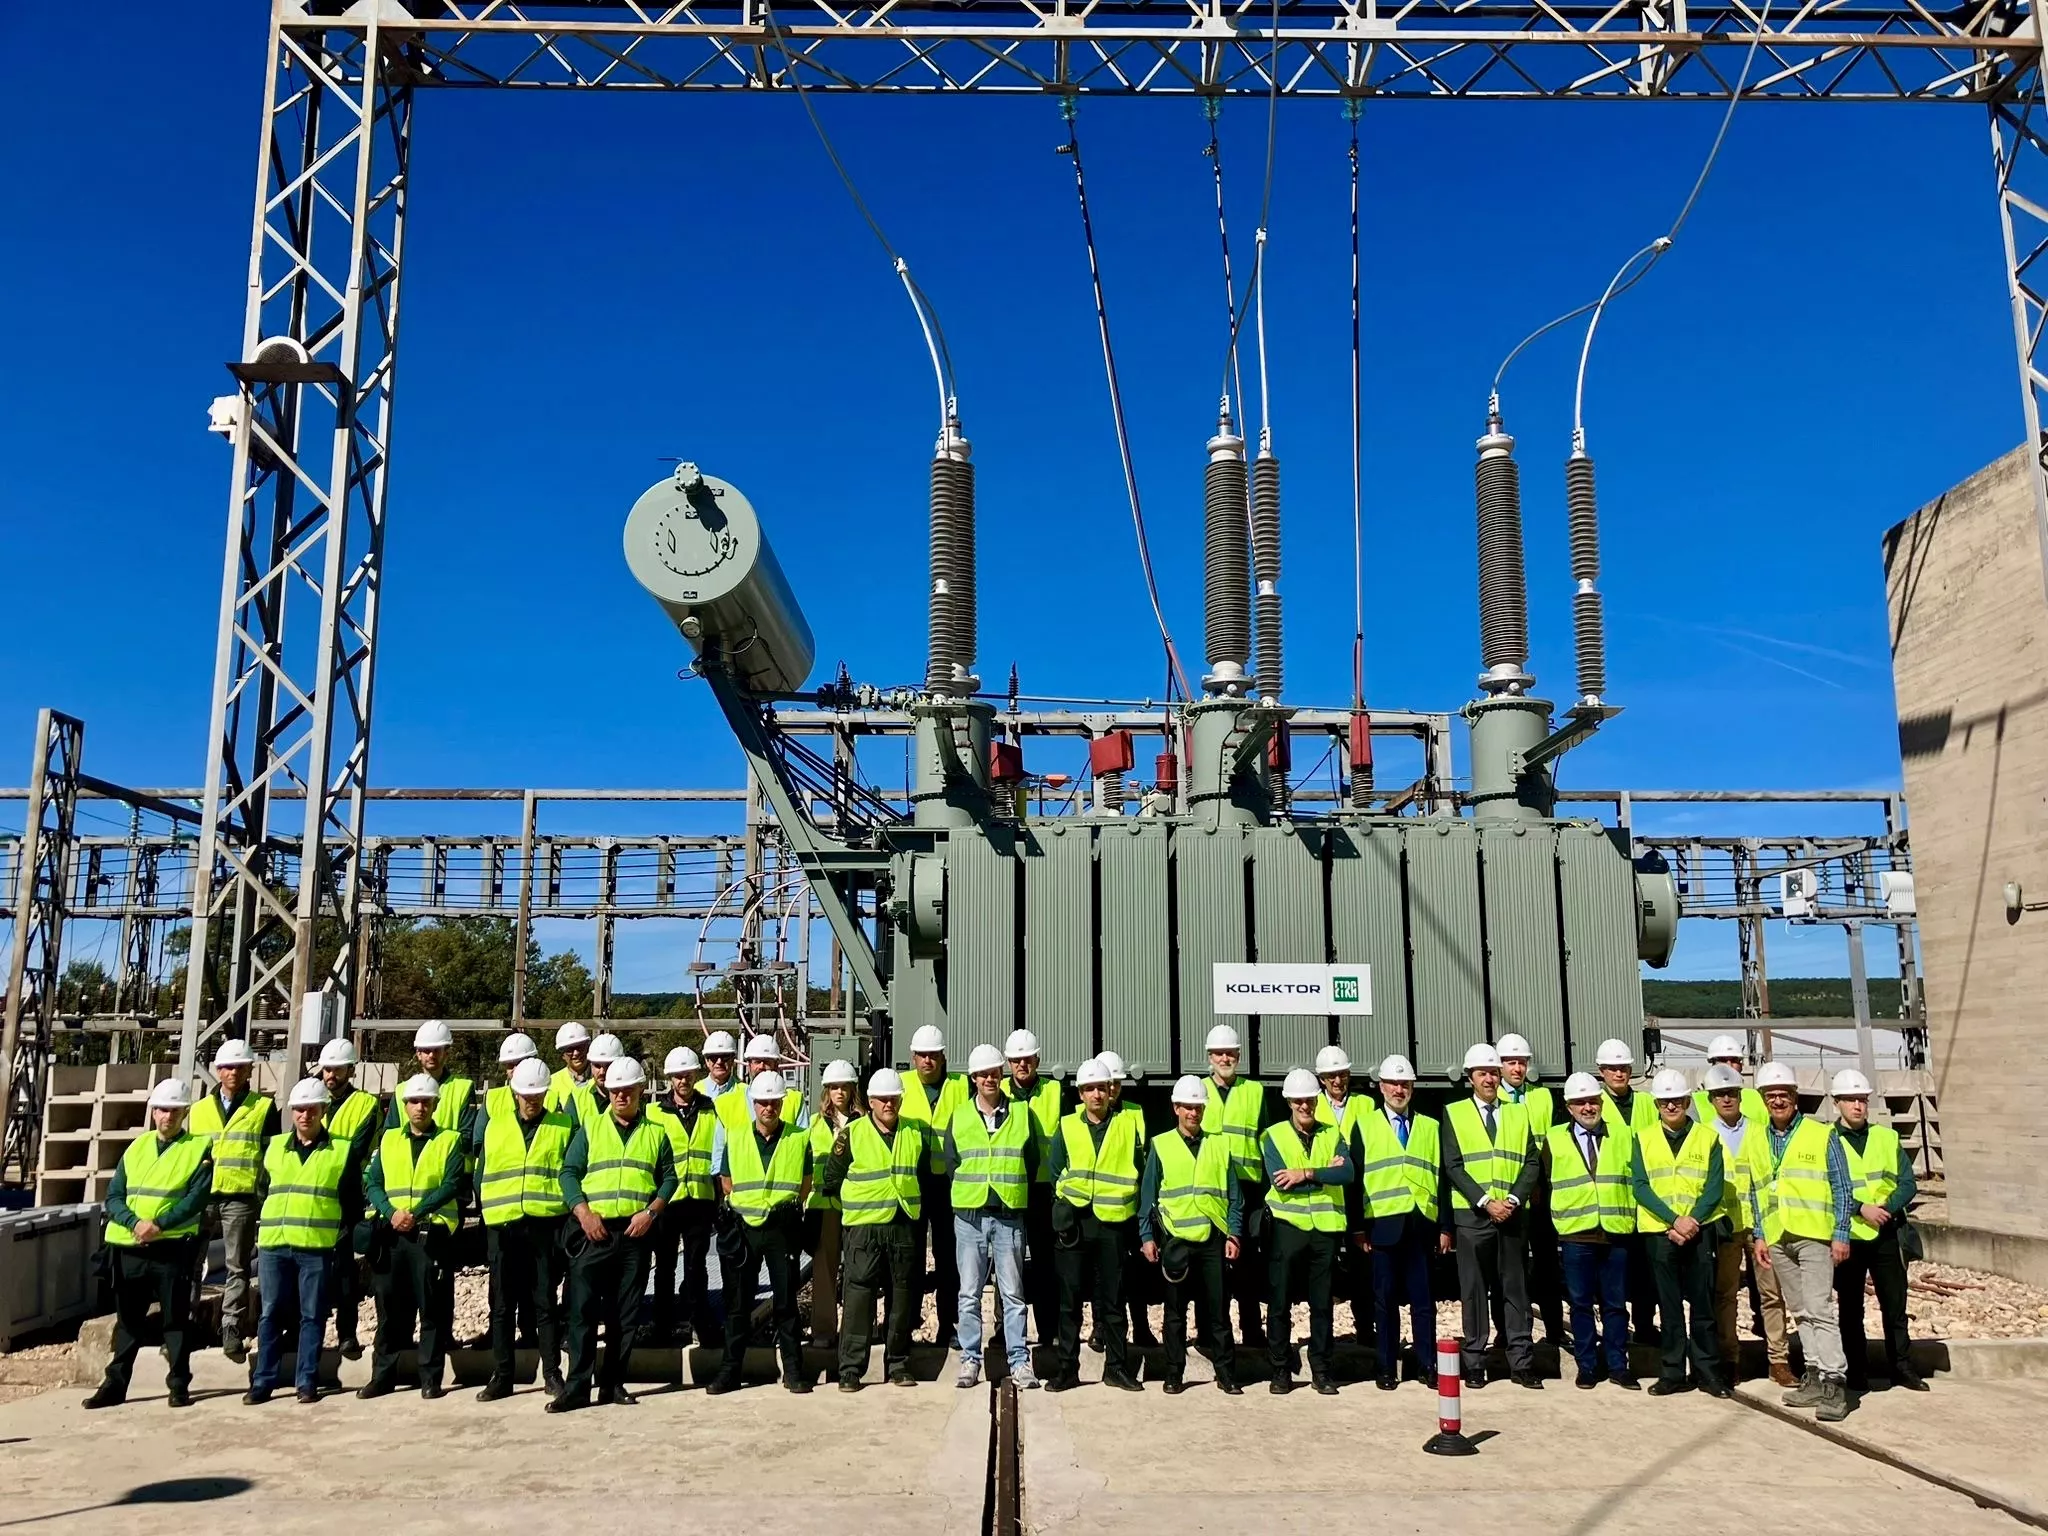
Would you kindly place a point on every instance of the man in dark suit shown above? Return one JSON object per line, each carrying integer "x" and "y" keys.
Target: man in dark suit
{"x": 1401, "y": 1166}
{"x": 1492, "y": 1171}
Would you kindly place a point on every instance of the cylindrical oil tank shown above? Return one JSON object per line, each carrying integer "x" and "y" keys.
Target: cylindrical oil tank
{"x": 695, "y": 543}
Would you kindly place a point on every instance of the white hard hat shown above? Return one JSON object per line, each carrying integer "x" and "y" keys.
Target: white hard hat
{"x": 1613, "y": 1053}
{"x": 766, "y": 1088}
{"x": 1581, "y": 1085}
{"x": 1300, "y": 1084}
{"x": 530, "y": 1077}
{"x": 838, "y": 1072}
{"x": 420, "y": 1086}
{"x": 234, "y": 1053}
{"x": 1189, "y": 1090}
{"x": 886, "y": 1083}
{"x": 570, "y": 1034}
{"x": 930, "y": 1040}
{"x": 624, "y": 1073}
{"x": 1021, "y": 1043}
{"x": 763, "y": 1048}
{"x": 337, "y": 1053}
{"x": 1513, "y": 1045}
{"x": 984, "y": 1058}
{"x": 1482, "y": 1055}
{"x": 1397, "y": 1069}
{"x": 1775, "y": 1074}
{"x": 433, "y": 1036}
{"x": 1849, "y": 1084}
{"x": 310, "y": 1093}
{"x": 1669, "y": 1084}
{"x": 1113, "y": 1064}
{"x": 1721, "y": 1077}
{"x": 171, "y": 1093}
{"x": 606, "y": 1048}
{"x": 719, "y": 1043}
{"x": 1091, "y": 1073}
{"x": 681, "y": 1059}
{"x": 1331, "y": 1058}
{"x": 1222, "y": 1038}
{"x": 516, "y": 1048}
{"x": 1723, "y": 1047}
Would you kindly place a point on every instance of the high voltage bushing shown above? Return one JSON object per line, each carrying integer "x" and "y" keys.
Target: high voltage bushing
{"x": 1266, "y": 569}
{"x": 1588, "y": 624}
{"x": 1503, "y": 592}
{"x": 952, "y": 632}
{"x": 1226, "y": 565}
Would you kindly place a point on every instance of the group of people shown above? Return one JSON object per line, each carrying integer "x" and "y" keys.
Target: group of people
{"x": 1602, "y": 1199}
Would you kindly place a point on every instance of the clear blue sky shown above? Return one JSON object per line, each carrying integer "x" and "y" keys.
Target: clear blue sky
{"x": 596, "y": 283}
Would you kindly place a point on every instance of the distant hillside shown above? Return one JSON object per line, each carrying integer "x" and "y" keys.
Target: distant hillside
{"x": 1792, "y": 997}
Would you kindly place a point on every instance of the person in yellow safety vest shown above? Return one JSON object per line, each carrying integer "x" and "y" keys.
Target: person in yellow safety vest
{"x": 1141, "y": 1281}
{"x": 721, "y": 1057}
{"x": 1094, "y": 1166}
{"x": 1635, "y": 1113}
{"x": 684, "y": 1234}
{"x": 1518, "y": 1085}
{"x": 1726, "y": 1051}
{"x": 594, "y": 1100}
{"x": 930, "y": 1095}
{"x": 455, "y": 1102}
{"x": 1189, "y": 1217}
{"x": 1588, "y": 1167}
{"x": 1237, "y": 1111}
{"x": 1403, "y": 1225}
{"x": 1347, "y": 1111}
{"x": 572, "y": 1044}
{"x": 872, "y": 1170}
{"x": 1801, "y": 1199}
{"x": 1042, "y": 1096}
{"x": 1885, "y": 1187}
{"x": 517, "y": 1158}
{"x": 1725, "y": 1096}
{"x": 512, "y": 1050}
{"x": 1312, "y": 1197}
{"x": 353, "y": 1115}
{"x": 415, "y": 1185}
{"x": 311, "y": 1191}
{"x": 1491, "y": 1167}
{"x": 1680, "y": 1183}
{"x": 618, "y": 1177}
{"x": 765, "y": 1173}
{"x": 236, "y": 1126}
{"x": 992, "y": 1148}
{"x": 734, "y": 1113}
{"x": 837, "y": 1085}
{"x": 153, "y": 1209}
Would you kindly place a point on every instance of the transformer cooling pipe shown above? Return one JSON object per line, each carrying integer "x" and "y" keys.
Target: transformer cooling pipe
{"x": 1588, "y": 624}
{"x": 1266, "y": 569}
{"x": 1226, "y": 567}
{"x": 1503, "y": 587}
{"x": 950, "y": 656}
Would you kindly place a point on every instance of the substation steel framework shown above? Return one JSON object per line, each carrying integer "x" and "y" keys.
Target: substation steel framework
{"x": 311, "y": 419}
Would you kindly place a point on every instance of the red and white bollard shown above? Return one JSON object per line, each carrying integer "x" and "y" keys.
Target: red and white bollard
{"x": 1449, "y": 1439}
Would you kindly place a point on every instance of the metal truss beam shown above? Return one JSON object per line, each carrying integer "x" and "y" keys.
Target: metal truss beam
{"x": 34, "y": 962}
{"x": 2019, "y": 149}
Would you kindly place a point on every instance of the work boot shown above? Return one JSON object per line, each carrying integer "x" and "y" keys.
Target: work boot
{"x": 797, "y": 1384}
{"x": 552, "y": 1383}
{"x": 1664, "y": 1386}
{"x": 351, "y": 1349}
{"x": 1808, "y": 1393}
{"x": 1833, "y": 1405}
{"x": 720, "y": 1386}
{"x": 108, "y": 1396}
{"x": 618, "y": 1397}
{"x": 1625, "y": 1380}
{"x": 235, "y": 1351}
{"x": 1324, "y": 1386}
{"x": 433, "y": 1390}
{"x": 181, "y": 1397}
{"x": 1174, "y": 1388}
{"x": 566, "y": 1404}
{"x": 1903, "y": 1375}
{"x": 1781, "y": 1375}
{"x": 1280, "y": 1386}
{"x": 901, "y": 1376}
{"x": 256, "y": 1398}
{"x": 849, "y": 1384}
{"x": 1228, "y": 1387}
{"x": 309, "y": 1394}
{"x": 1122, "y": 1381}
{"x": 494, "y": 1390}
{"x": 375, "y": 1389}
{"x": 1065, "y": 1381}
{"x": 1527, "y": 1379}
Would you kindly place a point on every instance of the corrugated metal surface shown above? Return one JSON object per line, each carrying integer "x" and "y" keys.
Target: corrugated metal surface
{"x": 1368, "y": 926}
{"x": 1208, "y": 876}
{"x": 1444, "y": 939}
{"x": 914, "y": 989}
{"x": 1059, "y": 944}
{"x": 1603, "y": 987}
{"x": 1518, "y": 865}
{"x": 981, "y": 934}
{"x": 1137, "y": 1013}
{"x": 1287, "y": 928}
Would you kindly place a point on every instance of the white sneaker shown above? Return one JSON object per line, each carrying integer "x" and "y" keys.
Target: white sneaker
{"x": 970, "y": 1375}
{"x": 1023, "y": 1380}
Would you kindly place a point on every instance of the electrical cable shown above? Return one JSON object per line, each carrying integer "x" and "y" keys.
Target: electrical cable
{"x": 1176, "y": 674}
{"x": 1353, "y": 110}
{"x": 1253, "y": 286}
{"x": 1212, "y": 108}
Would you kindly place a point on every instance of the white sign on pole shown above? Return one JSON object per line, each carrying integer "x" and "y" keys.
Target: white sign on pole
{"x": 1257, "y": 989}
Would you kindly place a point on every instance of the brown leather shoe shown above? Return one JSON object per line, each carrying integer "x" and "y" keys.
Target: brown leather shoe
{"x": 1781, "y": 1375}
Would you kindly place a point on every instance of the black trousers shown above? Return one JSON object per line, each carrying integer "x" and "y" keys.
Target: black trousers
{"x": 345, "y": 1286}
{"x": 159, "y": 1274}
{"x": 777, "y": 1243}
{"x": 1401, "y": 1273}
{"x": 526, "y": 1269}
{"x": 1493, "y": 1261}
{"x": 683, "y": 1233}
{"x": 1142, "y": 1289}
{"x": 1685, "y": 1283}
{"x": 1880, "y": 1259}
{"x": 1352, "y": 1281}
{"x": 1642, "y": 1285}
{"x": 1246, "y": 1278}
{"x": 606, "y": 1282}
{"x": 1194, "y": 1272}
{"x": 413, "y": 1278}
{"x": 935, "y": 1194}
{"x": 1545, "y": 1275}
{"x": 1300, "y": 1263}
{"x": 1090, "y": 1255}
{"x": 1041, "y": 1280}
{"x": 877, "y": 1263}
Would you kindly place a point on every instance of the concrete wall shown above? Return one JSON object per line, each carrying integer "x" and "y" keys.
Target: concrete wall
{"x": 1970, "y": 665}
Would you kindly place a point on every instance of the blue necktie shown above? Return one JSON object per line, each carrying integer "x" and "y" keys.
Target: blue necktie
{"x": 1401, "y": 1128}
{"x": 1491, "y": 1128}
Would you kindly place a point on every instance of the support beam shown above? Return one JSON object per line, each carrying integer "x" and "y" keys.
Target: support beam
{"x": 35, "y": 957}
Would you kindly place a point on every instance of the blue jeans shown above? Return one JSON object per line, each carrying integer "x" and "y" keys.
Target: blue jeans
{"x": 991, "y": 1238}
{"x": 1596, "y": 1275}
{"x": 285, "y": 1273}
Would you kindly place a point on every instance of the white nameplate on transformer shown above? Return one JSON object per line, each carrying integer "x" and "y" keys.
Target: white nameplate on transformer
{"x": 1255, "y": 989}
